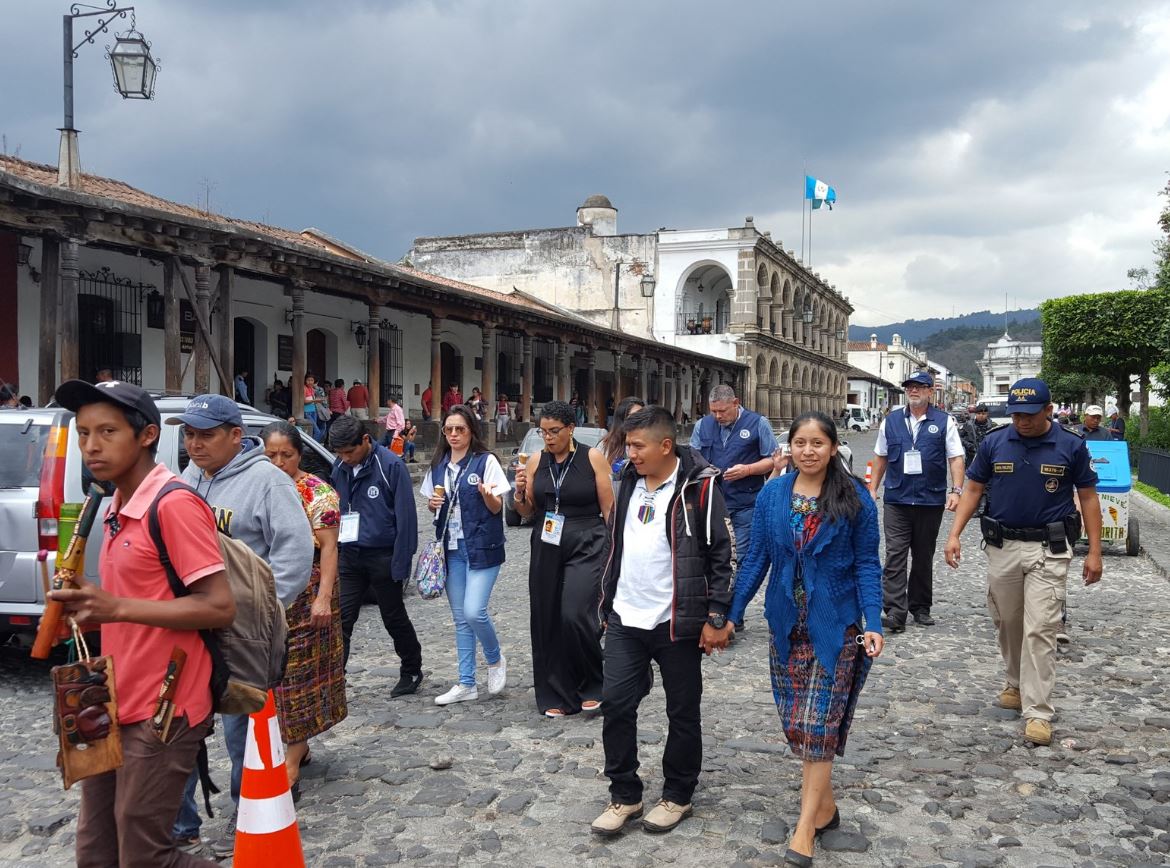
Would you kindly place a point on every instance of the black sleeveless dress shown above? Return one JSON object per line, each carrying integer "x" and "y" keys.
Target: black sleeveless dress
{"x": 564, "y": 586}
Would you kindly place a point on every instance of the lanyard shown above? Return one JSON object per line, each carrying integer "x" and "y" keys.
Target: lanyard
{"x": 353, "y": 481}
{"x": 557, "y": 480}
{"x": 913, "y": 431}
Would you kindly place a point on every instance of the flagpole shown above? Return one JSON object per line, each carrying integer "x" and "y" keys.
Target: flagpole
{"x": 808, "y": 261}
{"x": 802, "y": 225}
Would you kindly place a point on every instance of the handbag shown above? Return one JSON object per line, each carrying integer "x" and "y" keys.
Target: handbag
{"x": 430, "y": 573}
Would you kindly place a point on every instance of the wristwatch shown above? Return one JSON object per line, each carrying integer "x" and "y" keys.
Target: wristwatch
{"x": 955, "y": 489}
{"x": 716, "y": 620}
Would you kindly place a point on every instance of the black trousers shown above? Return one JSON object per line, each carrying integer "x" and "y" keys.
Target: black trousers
{"x": 628, "y": 652}
{"x": 361, "y": 568}
{"x": 911, "y": 537}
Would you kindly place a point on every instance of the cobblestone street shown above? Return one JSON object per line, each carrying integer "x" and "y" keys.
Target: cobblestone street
{"x": 934, "y": 772}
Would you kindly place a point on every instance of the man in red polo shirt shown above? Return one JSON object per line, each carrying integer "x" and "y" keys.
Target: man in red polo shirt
{"x": 126, "y": 815}
{"x": 359, "y": 400}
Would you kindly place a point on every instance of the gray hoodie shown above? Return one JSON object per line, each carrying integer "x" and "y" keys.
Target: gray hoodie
{"x": 258, "y": 504}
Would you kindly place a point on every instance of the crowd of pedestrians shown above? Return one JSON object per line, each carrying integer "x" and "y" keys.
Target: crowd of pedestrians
{"x": 645, "y": 550}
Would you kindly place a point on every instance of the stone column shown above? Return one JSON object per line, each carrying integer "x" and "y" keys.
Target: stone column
{"x": 775, "y": 405}
{"x": 487, "y": 383}
{"x": 202, "y": 348}
{"x": 69, "y": 329}
{"x": 786, "y": 314}
{"x": 374, "y": 362}
{"x": 777, "y": 319}
{"x": 761, "y": 404}
{"x": 678, "y": 393}
{"x": 786, "y": 409}
{"x": 526, "y": 375}
{"x": 437, "y": 386}
{"x": 227, "y": 334}
{"x": 172, "y": 352}
{"x": 591, "y": 396}
{"x": 300, "y": 350}
{"x": 694, "y": 403}
{"x": 561, "y": 377}
{"x": 47, "y": 359}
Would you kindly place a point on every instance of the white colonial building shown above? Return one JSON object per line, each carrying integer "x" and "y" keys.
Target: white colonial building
{"x": 729, "y": 293}
{"x": 1005, "y": 361}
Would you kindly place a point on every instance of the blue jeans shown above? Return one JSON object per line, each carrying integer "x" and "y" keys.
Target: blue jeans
{"x": 741, "y": 523}
{"x": 468, "y": 591}
{"x": 235, "y": 736}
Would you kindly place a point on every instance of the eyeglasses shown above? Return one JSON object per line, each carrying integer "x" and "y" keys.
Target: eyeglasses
{"x": 455, "y": 429}
{"x": 549, "y": 433}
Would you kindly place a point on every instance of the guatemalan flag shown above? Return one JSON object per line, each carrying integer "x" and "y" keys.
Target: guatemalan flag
{"x": 818, "y": 192}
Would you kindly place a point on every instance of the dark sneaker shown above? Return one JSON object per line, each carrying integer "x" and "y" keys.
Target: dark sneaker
{"x": 893, "y": 626}
{"x": 923, "y": 619}
{"x": 225, "y": 847}
{"x": 407, "y": 684}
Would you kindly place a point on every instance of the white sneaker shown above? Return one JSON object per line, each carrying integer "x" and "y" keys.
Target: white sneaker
{"x": 497, "y": 676}
{"x": 458, "y": 693}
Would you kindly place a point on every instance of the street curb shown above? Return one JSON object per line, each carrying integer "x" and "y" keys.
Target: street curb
{"x": 1155, "y": 530}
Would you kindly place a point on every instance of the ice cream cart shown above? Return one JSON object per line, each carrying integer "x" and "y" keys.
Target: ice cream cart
{"x": 1110, "y": 458}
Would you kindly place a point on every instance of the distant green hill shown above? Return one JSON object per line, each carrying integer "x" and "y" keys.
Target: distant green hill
{"x": 915, "y": 330}
{"x": 957, "y": 342}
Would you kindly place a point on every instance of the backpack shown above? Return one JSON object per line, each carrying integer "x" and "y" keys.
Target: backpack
{"x": 248, "y": 657}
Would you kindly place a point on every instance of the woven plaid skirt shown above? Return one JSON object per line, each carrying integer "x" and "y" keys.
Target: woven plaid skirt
{"x": 816, "y": 707}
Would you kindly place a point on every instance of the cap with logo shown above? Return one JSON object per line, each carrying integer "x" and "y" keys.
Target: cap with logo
{"x": 209, "y": 411}
{"x": 1029, "y": 395}
{"x": 919, "y": 379}
{"x": 75, "y": 394}
{"x": 1094, "y": 410}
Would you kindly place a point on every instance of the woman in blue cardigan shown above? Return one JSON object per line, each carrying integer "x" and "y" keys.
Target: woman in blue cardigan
{"x": 817, "y": 530}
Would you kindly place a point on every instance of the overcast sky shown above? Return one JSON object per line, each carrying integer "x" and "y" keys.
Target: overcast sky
{"x": 978, "y": 149}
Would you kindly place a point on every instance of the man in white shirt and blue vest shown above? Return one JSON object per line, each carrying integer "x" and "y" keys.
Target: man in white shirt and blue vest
{"x": 917, "y": 448}
{"x": 740, "y": 443}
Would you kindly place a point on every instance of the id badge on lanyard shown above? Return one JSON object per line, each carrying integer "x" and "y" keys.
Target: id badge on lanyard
{"x": 554, "y": 522}
{"x": 348, "y": 532}
{"x": 912, "y": 458}
{"x": 452, "y": 540}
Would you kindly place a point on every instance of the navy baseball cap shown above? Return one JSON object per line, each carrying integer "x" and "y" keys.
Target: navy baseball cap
{"x": 1029, "y": 395}
{"x": 920, "y": 379}
{"x": 75, "y": 394}
{"x": 209, "y": 411}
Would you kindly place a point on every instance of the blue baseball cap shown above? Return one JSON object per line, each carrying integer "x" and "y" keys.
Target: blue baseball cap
{"x": 920, "y": 379}
{"x": 1029, "y": 395}
{"x": 209, "y": 411}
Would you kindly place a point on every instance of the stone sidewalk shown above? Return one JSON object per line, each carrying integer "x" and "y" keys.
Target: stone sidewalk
{"x": 934, "y": 773}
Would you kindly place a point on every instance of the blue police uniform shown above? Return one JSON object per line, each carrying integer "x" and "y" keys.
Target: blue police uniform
{"x": 1034, "y": 477}
{"x": 1033, "y": 481}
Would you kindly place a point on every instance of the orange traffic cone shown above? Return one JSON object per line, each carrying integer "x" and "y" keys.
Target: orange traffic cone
{"x": 868, "y": 472}
{"x": 266, "y": 826}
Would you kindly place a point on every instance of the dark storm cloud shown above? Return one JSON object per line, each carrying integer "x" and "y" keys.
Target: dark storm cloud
{"x": 971, "y": 144}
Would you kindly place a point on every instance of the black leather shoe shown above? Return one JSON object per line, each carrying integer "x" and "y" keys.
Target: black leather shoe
{"x": 893, "y": 626}
{"x": 407, "y": 684}
{"x": 832, "y": 824}
{"x": 923, "y": 619}
{"x": 791, "y": 857}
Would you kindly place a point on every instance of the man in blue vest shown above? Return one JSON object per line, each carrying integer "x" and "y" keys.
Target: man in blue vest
{"x": 917, "y": 448}
{"x": 740, "y": 443}
{"x": 377, "y": 540}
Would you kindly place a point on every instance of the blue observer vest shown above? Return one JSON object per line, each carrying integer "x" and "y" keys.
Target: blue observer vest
{"x": 483, "y": 531}
{"x": 928, "y": 488}
{"x": 743, "y": 447}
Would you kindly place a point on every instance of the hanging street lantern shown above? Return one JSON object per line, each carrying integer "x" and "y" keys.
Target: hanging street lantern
{"x": 647, "y": 284}
{"x": 134, "y": 67}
